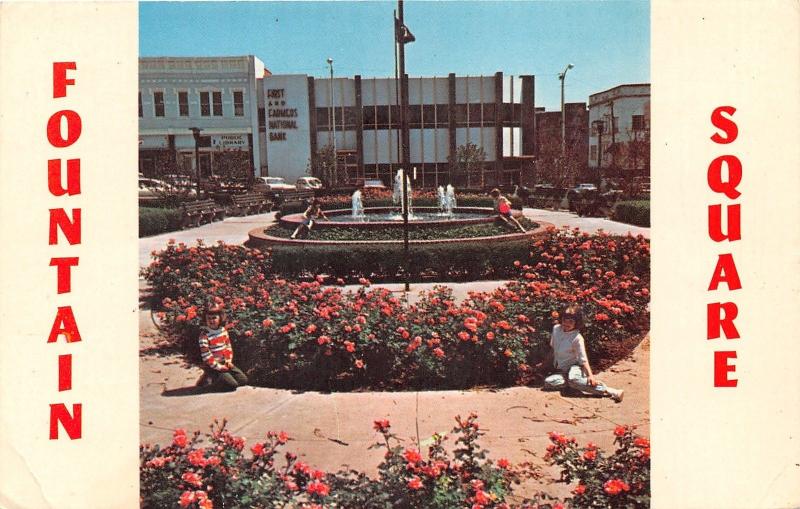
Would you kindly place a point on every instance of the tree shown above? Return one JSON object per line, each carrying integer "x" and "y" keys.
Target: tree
{"x": 467, "y": 160}
{"x": 323, "y": 165}
{"x": 233, "y": 165}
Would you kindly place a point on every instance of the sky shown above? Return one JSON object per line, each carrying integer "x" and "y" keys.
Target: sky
{"x": 607, "y": 41}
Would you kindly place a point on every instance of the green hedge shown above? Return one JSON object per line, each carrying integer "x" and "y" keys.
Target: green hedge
{"x": 153, "y": 221}
{"x": 454, "y": 262}
{"x": 633, "y": 212}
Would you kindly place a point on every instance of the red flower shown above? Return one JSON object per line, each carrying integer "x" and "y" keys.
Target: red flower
{"x": 359, "y": 363}
{"x": 489, "y": 336}
{"x": 438, "y": 352}
{"x": 620, "y": 430}
{"x": 192, "y": 478}
{"x": 319, "y": 488}
{"x": 641, "y": 442}
{"x": 258, "y": 449}
{"x": 580, "y": 489}
{"x": 197, "y": 458}
{"x": 187, "y": 497}
{"x": 412, "y": 456}
{"x": 503, "y": 463}
{"x": 267, "y": 322}
{"x": 350, "y": 346}
{"x": 382, "y": 425}
{"x": 615, "y": 486}
{"x": 283, "y": 437}
{"x": 179, "y": 438}
{"x": 482, "y": 497}
{"x": 590, "y": 455}
{"x": 415, "y": 483}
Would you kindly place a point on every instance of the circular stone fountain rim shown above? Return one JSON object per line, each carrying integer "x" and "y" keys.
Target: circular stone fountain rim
{"x": 293, "y": 220}
{"x": 257, "y": 239}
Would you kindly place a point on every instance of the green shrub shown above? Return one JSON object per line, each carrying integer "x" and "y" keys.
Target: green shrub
{"x": 446, "y": 261}
{"x": 153, "y": 221}
{"x": 633, "y": 212}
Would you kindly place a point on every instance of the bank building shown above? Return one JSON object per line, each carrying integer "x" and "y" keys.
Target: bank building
{"x": 208, "y": 111}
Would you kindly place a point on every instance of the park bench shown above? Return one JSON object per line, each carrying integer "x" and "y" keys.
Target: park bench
{"x": 294, "y": 196}
{"x": 197, "y": 212}
{"x": 250, "y": 203}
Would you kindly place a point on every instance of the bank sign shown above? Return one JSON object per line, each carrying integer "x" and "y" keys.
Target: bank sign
{"x": 288, "y": 134}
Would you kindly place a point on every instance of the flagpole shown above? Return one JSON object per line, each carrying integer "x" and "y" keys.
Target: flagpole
{"x": 405, "y": 160}
{"x": 396, "y": 83}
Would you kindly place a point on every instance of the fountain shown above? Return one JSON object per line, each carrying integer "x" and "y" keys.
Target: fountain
{"x": 397, "y": 195}
{"x": 358, "y": 205}
{"x": 447, "y": 200}
{"x": 450, "y": 202}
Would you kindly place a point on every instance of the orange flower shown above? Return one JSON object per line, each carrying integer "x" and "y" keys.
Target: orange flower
{"x": 415, "y": 483}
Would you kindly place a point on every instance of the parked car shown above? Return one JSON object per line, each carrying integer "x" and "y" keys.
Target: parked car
{"x": 154, "y": 190}
{"x": 584, "y": 187}
{"x": 373, "y": 184}
{"x": 275, "y": 183}
{"x": 304, "y": 183}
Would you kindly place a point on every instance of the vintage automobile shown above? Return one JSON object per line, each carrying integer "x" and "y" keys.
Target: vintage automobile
{"x": 304, "y": 183}
{"x": 156, "y": 191}
{"x": 274, "y": 184}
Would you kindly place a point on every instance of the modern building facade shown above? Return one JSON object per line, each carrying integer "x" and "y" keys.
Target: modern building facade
{"x": 218, "y": 95}
{"x": 360, "y": 117}
{"x": 619, "y": 120}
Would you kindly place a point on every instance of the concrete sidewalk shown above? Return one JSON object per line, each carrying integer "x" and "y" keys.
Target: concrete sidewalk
{"x": 333, "y": 431}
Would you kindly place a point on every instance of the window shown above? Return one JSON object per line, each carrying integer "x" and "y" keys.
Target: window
{"x": 183, "y": 104}
{"x": 205, "y": 104}
{"x": 615, "y": 123}
{"x": 158, "y": 103}
{"x": 238, "y": 103}
{"x": 217, "y": 104}
{"x": 637, "y": 121}
{"x": 141, "y": 111}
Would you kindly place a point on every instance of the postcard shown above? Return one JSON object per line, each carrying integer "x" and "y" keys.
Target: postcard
{"x": 399, "y": 254}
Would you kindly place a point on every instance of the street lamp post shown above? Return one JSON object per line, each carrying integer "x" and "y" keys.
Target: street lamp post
{"x": 562, "y": 76}
{"x": 196, "y": 133}
{"x": 333, "y": 108}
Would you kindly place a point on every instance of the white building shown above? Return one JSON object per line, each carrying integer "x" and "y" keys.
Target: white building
{"x": 620, "y": 117}
{"x": 277, "y": 122}
{"x": 216, "y": 94}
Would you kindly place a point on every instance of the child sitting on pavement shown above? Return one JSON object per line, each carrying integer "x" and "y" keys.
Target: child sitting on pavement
{"x": 217, "y": 353}
{"x": 568, "y": 356}
{"x": 312, "y": 212}
{"x": 502, "y": 206}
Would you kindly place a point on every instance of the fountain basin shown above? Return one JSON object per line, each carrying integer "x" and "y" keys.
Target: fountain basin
{"x": 260, "y": 239}
{"x": 380, "y": 218}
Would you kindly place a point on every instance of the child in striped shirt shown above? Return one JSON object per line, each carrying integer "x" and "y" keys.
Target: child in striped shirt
{"x": 217, "y": 353}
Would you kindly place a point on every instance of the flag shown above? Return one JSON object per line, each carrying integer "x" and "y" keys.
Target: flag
{"x": 401, "y": 33}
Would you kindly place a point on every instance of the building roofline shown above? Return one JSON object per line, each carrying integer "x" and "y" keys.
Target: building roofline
{"x": 620, "y": 86}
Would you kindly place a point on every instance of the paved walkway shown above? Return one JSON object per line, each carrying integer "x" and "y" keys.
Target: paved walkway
{"x": 331, "y": 431}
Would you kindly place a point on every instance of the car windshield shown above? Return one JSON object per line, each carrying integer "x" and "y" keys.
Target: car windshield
{"x": 275, "y": 180}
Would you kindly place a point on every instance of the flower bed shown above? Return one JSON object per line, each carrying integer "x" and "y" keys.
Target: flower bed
{"x": 310, "y": 335}
{"x": 221, "y": 474}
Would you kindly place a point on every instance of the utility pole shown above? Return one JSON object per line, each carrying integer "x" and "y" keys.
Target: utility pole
{"x": 402, "y": 36}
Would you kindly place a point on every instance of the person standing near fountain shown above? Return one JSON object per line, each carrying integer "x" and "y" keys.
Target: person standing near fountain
{"x": 312, "y": 212}
{"x": 502, "y": 206}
